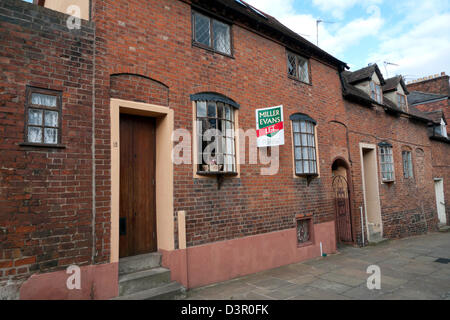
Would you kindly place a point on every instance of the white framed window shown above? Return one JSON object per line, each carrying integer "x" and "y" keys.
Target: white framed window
{"x": 386, "y": 162}
{"x": 304, "y": 140}
{"x": 375, "y": 92}
{"x": 407, "y": 164}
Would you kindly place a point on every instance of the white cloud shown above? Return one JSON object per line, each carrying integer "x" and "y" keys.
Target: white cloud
{"x": 337, "y": 8}
{"x": 422, "y": 50}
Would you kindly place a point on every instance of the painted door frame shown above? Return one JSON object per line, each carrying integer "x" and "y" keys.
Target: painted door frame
{"x": 164, "y": 170}
{"x": 441, "y": 181}
{"x": 375, "y": 149}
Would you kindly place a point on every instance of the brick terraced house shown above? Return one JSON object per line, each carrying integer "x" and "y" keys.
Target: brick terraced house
{"x": 91, "y": 119}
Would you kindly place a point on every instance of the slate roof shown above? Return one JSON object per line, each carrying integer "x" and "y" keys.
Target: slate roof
{"x": 267, "y": 24}
{"x": 363, "y": 74}
{"x": 353, "y": 93}
{"x": 418, "y": 97}
{"x": 392, "y": 83}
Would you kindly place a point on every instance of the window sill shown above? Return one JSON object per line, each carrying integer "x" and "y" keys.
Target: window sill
{"x": 216, "y": 173}
{"x": 201, "y": 46}
{"x": 300, "y": 81}
{"x": 307, "y": 175}
{"x": 388, "y": 181}
{"x": 42, "y": 145}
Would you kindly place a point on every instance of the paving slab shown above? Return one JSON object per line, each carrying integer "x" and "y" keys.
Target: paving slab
{"x": 408, "y": 271}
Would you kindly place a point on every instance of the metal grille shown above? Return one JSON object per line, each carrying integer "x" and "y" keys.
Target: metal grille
{"x": 342, "y": 207}
{"x": 303, "y": 232}
{"x": 305, "y": 147}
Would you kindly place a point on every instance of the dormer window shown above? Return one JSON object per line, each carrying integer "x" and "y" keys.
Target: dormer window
{"x": 375, "y": 92}
{"x": 401, "y": 101}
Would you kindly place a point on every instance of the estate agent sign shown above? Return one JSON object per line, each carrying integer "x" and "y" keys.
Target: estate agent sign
{"x": 269, "y": 127}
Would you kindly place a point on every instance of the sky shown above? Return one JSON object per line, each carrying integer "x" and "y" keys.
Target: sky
{"x": 412, "y": 35}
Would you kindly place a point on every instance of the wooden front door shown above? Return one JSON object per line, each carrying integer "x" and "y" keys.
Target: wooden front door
{"x": 137, "y": 185}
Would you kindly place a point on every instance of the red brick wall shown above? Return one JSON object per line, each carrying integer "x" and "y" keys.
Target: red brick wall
{"x": 438, "y": 85}
{"x": 441, "y": 169}
{"x": 45, "y": 193}
{"x": 256, "y": 77}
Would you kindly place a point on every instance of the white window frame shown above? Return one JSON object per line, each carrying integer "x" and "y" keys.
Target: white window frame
{"x": 386, "y": 159}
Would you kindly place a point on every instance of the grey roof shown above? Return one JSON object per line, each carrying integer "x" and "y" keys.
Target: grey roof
{"x": 418, "y": 97}
{"x": 363, "y": 74}
{"x": 392, "y": 83}
{"x": 266, "y": 24}
{"x": 353, "y": 93}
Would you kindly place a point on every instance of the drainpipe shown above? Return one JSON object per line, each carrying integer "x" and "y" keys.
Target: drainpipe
{"x": 362, "y": 225}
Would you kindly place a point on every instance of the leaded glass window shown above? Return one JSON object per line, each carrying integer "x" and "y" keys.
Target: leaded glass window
{"x": 216, "y": 149}
{"x": 304, "y": 147}
{"x": 303, "y": 231}
{"x": 298, "y": 67}
{"x": 43, "y": 115}
{"x": 407, "y": 164}
{"x": 387, "y": 163}
{"x": 211, "y": 33}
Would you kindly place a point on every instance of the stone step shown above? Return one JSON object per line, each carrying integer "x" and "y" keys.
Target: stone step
{"x": 444, "y": 228}
{"x": 170, "y": 291}
{"x": 139, "y": 263}
{"x": 143, "y": 280}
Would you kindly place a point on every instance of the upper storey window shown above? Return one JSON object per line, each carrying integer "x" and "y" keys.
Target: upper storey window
{"x": 401, "y": 101}
{"x": 298, "y": 67}
{"x": 211, "y": 33}
{"x": 375, "y": 92}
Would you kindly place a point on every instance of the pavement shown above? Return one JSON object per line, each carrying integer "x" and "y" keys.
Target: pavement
{"x": 408, "y": 266}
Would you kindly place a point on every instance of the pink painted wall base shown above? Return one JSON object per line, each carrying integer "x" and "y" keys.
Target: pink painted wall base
{"x": 220, "y": 261}
{"x": 98, "y": 282}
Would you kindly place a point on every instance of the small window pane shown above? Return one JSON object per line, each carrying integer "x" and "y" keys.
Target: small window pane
{"x": 201, "y": 109}
{"x": 211, "y": 109}
{"x": 298, "y": 167}
{"x": 202, "y": 29}
{"x": 298, "y": 153}
{"x": 43, "y": 99}
{"x": 228, "y": 112}
{"x": 303, "y": 69}
{"x": 51, "y": 135}
{"x": 35, "y": 117}
{"x": 35, "y": 134}
{"x": 221, "y": 37}
{"x": 51, "y": 118}
{"x": 297, "y": 139}
{"x": 220, "y": 111}
{"x": 292, "y": 65}
{"x": 303, "y": 126}
{"x": 296, "y": 126}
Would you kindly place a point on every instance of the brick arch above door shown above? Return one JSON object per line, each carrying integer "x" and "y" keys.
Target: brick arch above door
{"x": 138, "y": 88}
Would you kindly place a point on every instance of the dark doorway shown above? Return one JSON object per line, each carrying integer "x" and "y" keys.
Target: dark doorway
{"x": 137, "y": 185}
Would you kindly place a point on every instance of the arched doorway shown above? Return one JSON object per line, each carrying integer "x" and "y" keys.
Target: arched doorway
{"x": 341, "y": 193}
